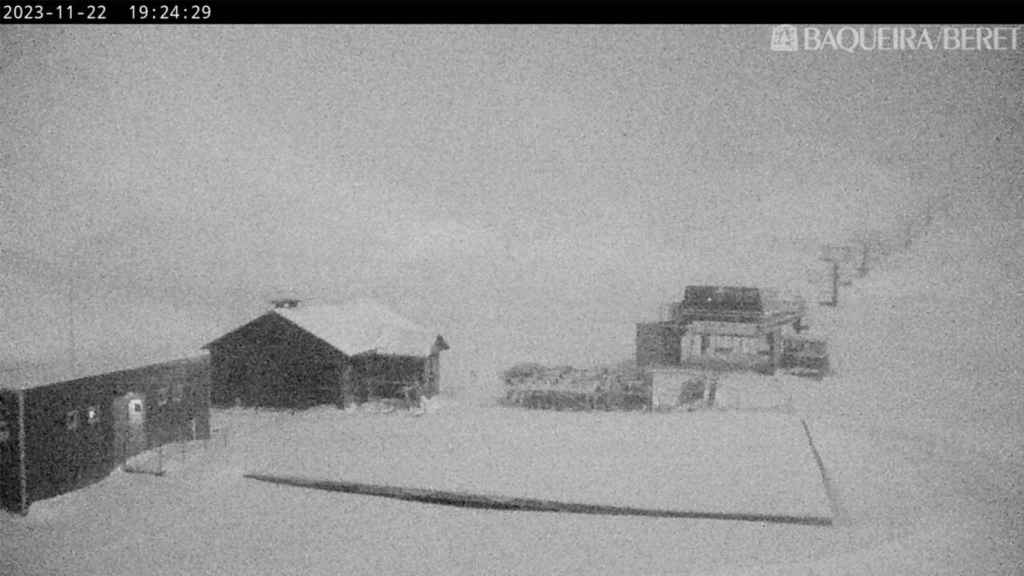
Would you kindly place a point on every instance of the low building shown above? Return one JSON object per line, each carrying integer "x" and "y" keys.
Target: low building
{"x": 60, "y": 431}
{"x": 296, "y": 356}
{"x": 720, "y": 328}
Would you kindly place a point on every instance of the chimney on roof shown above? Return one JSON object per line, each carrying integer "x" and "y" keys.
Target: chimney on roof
{"x": 285, "y": 303}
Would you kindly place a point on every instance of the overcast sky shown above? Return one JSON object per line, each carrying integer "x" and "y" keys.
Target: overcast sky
{"x": 544, "y": 187}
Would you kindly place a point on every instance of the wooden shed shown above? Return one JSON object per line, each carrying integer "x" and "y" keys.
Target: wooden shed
{"x": 297, "y": 356}
{"x": 60, "y": 431}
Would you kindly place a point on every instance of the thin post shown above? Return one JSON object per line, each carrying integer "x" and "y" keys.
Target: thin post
{"x": 775, "y": 349}
{"x": 862, "y": 270}
{"x": 711, "y": 382}
{"x": 22, "y": 465}
{"x": 835, "y": 283}
{"x": 71, "y": 326}
{"x": 650, "y": 403}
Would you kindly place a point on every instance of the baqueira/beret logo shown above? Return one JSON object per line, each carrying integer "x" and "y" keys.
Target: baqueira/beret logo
{"x": 788, "y": 38}
{"x": 784, "y": 38}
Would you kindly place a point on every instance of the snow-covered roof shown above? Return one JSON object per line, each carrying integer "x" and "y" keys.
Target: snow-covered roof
{"x": 362, "y": 326}
{"x": 34, "y": 374}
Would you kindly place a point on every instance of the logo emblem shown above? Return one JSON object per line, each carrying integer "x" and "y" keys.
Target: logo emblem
{"x": 784, "y": 38}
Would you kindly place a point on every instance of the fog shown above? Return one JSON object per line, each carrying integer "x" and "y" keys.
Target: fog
{"x": 531, "y": 192}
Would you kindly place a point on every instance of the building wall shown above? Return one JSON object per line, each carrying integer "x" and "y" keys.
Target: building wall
{"x": 253, "y": 376}
{"x": 70, "y": 431}
{"x": 381, "y": 376}
{"x": 710, "y": 345}
{"x": 432, "y": 375}
{"x": 62, "y": 454}
{"x": 10, "y": 451}
{"x": 657, "y": 344}
{"x": 737, "y": 351}
{"x": 274, "y": 363}
{"x": 177, "y": 400}
{"x": 737, "y": 348}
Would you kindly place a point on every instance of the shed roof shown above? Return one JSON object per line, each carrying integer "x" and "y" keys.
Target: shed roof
{"x": 24, "y": 376}
{"x": 362, "y": 326}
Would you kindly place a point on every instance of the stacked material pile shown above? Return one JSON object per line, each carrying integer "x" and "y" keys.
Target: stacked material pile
{"x": 620, "y": 387}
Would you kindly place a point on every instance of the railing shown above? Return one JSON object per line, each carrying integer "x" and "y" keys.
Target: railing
{"x": 554, "y": 399}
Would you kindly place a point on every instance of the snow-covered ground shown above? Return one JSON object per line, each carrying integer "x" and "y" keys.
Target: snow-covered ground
{"x": 920, "y": 429}
{"x": 905, "y": 504}
{"x": 704, "y": 462}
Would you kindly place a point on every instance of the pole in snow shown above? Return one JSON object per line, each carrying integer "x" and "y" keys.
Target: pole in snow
{"x": 835, "y": 283}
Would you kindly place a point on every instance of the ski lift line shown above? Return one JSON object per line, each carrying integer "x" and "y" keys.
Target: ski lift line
{"x": 936, "y": 203}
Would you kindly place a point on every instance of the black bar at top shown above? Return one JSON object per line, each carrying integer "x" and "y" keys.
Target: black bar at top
{"x": 525, "y": 11}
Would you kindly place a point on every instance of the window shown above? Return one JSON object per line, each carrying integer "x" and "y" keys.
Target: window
{"x": 71, "y": 420}
{"x": 161, "y": 396}
{"x": 92, "y": 415}
{"x": 178, "y": 391}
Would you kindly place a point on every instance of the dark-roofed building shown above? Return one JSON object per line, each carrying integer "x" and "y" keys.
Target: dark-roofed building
{"x": 61, "y": 430}
{"x": 721, "y": 328}
{"x": 299, "y": 355}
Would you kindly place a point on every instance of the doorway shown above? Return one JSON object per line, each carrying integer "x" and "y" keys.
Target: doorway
{"x": 129, "y": 425}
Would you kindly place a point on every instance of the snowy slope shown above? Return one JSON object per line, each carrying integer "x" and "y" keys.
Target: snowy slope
{"x": 931, "y": 342}
{"x": 902, "y": 503}
{"x": 920, "y": 430}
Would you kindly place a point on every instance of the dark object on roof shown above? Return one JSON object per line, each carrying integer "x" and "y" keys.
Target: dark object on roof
{"x": 723, "y": 298}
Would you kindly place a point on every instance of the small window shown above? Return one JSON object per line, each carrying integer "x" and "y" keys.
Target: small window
{"x": 161, "y": 396}
{"x": 178, "y": 392}
{"x": 137, "y": 407}
{"x": 71, "y": 420}
{"x": 92, "y": 415}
